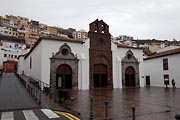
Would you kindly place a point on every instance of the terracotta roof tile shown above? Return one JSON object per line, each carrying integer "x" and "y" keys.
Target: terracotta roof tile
{"x": 165, "y": 53}
{"x": 59, "y": 38}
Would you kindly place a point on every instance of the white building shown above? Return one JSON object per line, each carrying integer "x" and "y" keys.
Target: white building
{"x": 96, "y": 63}
{"x": 10, "y": 49}
{"x": 164, "y": 65}
{"x": 4, "y": 31}
{"x": 82, "y": 34}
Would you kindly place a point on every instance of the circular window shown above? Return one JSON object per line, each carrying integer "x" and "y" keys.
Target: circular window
{"x": 129, "y": 56}
{"x": 64, "y": 51}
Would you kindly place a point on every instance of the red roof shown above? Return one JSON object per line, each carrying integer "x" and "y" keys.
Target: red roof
{"x": 165, "y": 53}
{"x": 10, "y": 61}
{"x": 55, "y": 39}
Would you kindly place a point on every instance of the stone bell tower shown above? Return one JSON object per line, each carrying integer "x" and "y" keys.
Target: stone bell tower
{"x": 100, "y": 55}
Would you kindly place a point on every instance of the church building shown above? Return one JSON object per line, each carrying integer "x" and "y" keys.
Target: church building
{"x": 97, "y": 62}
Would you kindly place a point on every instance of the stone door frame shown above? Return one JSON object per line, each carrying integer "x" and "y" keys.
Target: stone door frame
{"x": 63, "y": 56}
{"x": 130, "y": 60}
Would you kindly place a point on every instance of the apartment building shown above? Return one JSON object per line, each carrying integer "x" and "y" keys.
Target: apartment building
{"x": 52, "y": 30}
{"x": 1, "y": 18}
{"x": 12, "y": 32}
{"x": 4, "y": 31}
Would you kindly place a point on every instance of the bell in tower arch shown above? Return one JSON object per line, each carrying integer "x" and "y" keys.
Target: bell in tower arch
{"x": 99, "y": 27}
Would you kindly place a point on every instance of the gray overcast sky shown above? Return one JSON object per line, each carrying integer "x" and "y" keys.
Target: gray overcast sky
{"x": 143, "y": 19}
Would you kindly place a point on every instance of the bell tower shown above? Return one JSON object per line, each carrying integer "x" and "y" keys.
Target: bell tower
{"x": 100, "y": 55}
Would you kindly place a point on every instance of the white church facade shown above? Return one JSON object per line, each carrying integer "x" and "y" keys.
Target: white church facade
{"x": 97, "y": 62}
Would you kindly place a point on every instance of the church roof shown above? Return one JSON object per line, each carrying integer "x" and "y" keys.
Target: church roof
{"x": 165, "y": 53}
{"x": 53, "y": 39}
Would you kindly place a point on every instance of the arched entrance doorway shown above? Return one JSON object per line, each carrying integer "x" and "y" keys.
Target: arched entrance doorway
{"x": 64, "y": 77}
{"x": 130, "y": 77}
{"x": 100, "y": 76}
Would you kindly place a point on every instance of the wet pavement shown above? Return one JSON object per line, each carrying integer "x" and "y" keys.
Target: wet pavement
{"x": 16, "y": 103}
{"x": 13, "y": 95}
{"x": 150, "y": 103}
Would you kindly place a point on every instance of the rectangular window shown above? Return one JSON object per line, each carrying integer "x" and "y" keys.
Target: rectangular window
{"x": 5, "y": 55}
{"x": 165, "y": 64}
{"x": 166, "y": 79}
{"x": 30, "y": 62}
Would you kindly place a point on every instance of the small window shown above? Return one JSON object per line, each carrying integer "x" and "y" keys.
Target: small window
{"x": 11, "y": 56}
{"x": 95, "y": 27}
{"x": 64, "y": 51}
{"x": 165, "y": 64}
{"x": 30, "y": 62}
{"x": 103, "y": 28}
{"x": 129, "y": 56}
{"x": 101, "y": 42}
{"x": 5, "y": 55}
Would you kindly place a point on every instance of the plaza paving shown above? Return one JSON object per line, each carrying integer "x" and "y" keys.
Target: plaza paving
{"x": 151, "y": 103}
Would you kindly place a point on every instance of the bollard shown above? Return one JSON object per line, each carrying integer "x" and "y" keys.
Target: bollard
{"x": 177, "y": 116}
{"x": 91, "y": 109}
{"x": 36, "y": 94}
{"x": 106, "y": 103}
{"x": 40, "y": 97}
{"x": 133, "y": 113}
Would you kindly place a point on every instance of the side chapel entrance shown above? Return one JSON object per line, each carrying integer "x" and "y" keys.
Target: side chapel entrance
{"x": 63, "y": 71}
{"x": 130, "y": 77}
{"x": 64, "y": 77}
{"x": 130, "y": 70}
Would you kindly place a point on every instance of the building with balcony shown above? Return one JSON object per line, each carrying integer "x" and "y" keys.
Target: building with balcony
{"x": 12, "y": 32}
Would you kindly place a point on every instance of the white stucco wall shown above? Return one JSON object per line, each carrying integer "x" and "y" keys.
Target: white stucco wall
{"x": 82, "y": 52}
{"x": 118, "y": 54}
{"x": 43, "y": 52}
{"x": 20, "y": 68}
{"x": 154, "y": 69}
{"x": 36, "y": 56}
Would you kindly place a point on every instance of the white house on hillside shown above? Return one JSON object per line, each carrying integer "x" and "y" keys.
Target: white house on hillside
{"x": 163, "y": 66}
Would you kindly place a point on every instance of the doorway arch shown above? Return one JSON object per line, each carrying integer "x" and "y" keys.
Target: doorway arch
{"x": 100, "y": 76}
{"x": 64, "y": 77}
{"x": 130, "y": 77}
